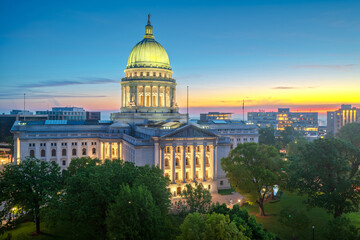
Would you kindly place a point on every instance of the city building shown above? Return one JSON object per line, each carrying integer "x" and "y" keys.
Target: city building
{"x": 148, "y": 129}
{"x": 65, "y": 113}
{"x": 7, "y": 121}
{"x": 304, "y": 122}
{"x": 205, "y": 117}
{"x": 93, "y": 116}
{"x": 337, "y": 119}
{"x": 263, "y": 119}
{"x": 238, "y": 131}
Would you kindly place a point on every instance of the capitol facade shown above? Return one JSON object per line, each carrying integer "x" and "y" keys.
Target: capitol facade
{"x": 148, "y": 130}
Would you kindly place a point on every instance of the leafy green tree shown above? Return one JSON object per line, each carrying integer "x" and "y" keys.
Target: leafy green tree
{"x": 293, "y": 219}
{"x": 134, "y": 215}
{"x": 194, "y": 199}
{"x": 212, "y": 226}
{"x": 288, "y": 135}
{"x": 29, "y": 185}
{"x": 341, "y": 229}
{"x": 192, "y": 228}
{"x": 253, "y": 170}
{"x": 246, "y": 224}
{"x": 267, "y": 136}
{"x": 327, "y": 170}
{"x": 350, "y": 133}
{"x": 91, "y": 186}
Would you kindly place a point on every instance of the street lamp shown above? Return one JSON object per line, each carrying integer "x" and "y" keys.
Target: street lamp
{"x": 313, "y": 228}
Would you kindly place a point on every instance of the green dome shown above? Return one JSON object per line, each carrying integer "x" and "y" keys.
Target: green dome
{"x": 148, "y": 53}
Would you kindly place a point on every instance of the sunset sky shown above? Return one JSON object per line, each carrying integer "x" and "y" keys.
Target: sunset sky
{"x": 299, "y": 54}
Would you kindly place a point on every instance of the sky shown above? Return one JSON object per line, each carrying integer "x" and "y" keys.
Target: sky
{"x": 299, "y": 54}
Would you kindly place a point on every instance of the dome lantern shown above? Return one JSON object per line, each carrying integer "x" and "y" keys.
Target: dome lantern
{"x": 148, "y": 53}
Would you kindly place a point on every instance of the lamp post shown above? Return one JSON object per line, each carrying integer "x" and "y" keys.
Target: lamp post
{"x": 313, "y": 230}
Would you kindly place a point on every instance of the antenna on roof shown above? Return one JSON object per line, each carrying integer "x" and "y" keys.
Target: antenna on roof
{"x": 243, "y": 108}
{"x": 187, "y": 104}
{"x": 24, "y": 107}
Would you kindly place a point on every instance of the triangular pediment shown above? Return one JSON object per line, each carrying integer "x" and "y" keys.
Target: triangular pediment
{"x": 190, "y": 131}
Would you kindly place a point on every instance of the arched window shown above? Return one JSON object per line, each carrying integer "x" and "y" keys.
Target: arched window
{"x": 188, "y": 149}
{"x": 42, "y": 153}
{"x": 208, "y": 148}
{"x": 166, "y": 162}
{"x": 53, "y": 152}
{"x": 177, "y": 162}
{"x": 197, "y": 161}
{"x": 84, "y": 151}
{"x": 94, "y": 151}
{"x": 32, "y": 153}
{"x": 198, "y": 148}
{"x": 63, "y": 152}
{"x": 74, "y": 152}
{"x": 187, "y": 162}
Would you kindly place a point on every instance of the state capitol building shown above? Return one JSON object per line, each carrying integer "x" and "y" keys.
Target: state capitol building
{"x": 148, "y": 129}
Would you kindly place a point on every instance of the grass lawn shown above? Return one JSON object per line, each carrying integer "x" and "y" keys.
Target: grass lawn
{"x": 226, "y": 191}
{"x": 24, "y": 230}
{"x": 317, "y": 217}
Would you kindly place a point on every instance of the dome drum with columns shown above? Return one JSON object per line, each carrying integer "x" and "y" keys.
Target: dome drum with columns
{"x": 148, "y": 86}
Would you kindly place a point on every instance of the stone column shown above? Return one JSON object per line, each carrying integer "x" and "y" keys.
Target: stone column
{"x": 162, "y": 159}
{"x": 156, "y": 154}
{"x": 125, "y": 97}
{"x": 104, "y": 151}
{"x": 158, "y": 96}
{"x": 194, "y": 162}
{"x": 184, "y": 163}
{"x": 173, "y": 163}
{"x": 204, "y": 162}
{"x": 215, "y": 162}
{"x": 119, "y": 151}
{"x": 110, "y": 149}
{"x": 143, "y": 96}
{"x": 151, "y": 96}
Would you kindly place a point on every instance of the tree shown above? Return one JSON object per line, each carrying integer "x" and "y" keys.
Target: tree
{"x": 134, "y": 215}
{"x": 29, "y": 185}
{"x": 194, "y": 199}
{"x": 288, "y": 135}
{"x": 350, "y": 133}
{"x": 253, "y": 170}
{"x": 245, "y": 223}
{"x": 211, "y": 226}
{"x": 293, "y": 219}
{"x": 267, "y": 136}
{"x": 91, "y": 186}
{"x": 341, "y": 229}
{"x": 327, "y": 170}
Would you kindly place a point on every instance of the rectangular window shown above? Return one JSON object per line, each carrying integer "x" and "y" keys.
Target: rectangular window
{"x": 64, "y": 162}
{"x": 221, "y": 183}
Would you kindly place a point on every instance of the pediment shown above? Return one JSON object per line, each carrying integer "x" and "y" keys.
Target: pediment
{"x": 190, "y": 131}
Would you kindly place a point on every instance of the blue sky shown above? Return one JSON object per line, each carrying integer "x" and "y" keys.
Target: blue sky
{"x": 302, "y": 54}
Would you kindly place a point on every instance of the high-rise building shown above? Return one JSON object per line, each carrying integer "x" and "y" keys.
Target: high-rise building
{"x": 303, "y": 122}
{"x": 65, "y": 113}
{"x": 93, "y": 116}
{"x": 7, "y": 120}
{"x": 337, "y": 119}
{"x": 204, "y": 117}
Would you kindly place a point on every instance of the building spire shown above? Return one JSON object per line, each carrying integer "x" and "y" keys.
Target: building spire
{"x": 149, "y": 29}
